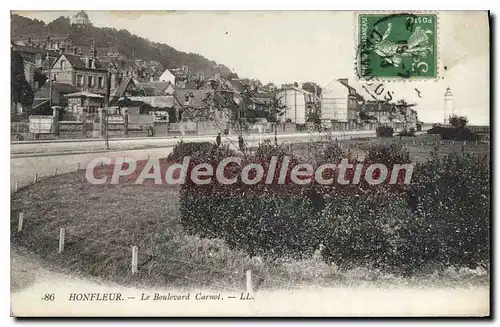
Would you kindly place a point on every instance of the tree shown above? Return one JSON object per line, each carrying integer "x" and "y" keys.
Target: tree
{"x": 312, "y": 87}
{"x": 21, "y": 91}
{"x": 458, "y": 121}
{"x": 271, "y": 87}
{"x": 40, "y": 78}
{"x": 402, "y": 109}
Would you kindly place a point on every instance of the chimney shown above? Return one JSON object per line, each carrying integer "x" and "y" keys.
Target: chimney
{"x": 61, "y": 50}
{"x": 344, "y": 80}
{"x": 93, "y": 50}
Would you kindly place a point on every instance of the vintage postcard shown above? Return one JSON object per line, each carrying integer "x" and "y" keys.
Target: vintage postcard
{"x": 250, "y": 163}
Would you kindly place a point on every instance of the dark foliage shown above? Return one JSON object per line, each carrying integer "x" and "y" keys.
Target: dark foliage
{"x": 21, "y": 91}
{"x": 129, "y": 45}
{"x": 408, "y": 132}
{"x": 384, "y": 131}
{"x": 398, "y": 228}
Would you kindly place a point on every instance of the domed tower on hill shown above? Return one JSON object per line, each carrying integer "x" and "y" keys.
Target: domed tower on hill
{"x": 81, "y": 19}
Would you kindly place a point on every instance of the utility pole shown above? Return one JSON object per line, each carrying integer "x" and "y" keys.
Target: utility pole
{"x": 106, "y": 137}
{"x": 50, "y": 79}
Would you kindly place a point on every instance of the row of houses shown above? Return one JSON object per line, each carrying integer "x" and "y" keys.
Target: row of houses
{"x": 82, "y": 82}
{"x": 341, "y": 106}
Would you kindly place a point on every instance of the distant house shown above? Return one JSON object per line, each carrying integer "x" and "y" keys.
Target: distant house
{"x": 86, "y": 72}
{"x": 84, "y": 102}
{"x": 167, "y": 76}
{"x": 126, "y": 88}
{"x": 340, "y": 104}
{"x": 156, "y": 88}
{"x": 182, "y": 77}
{"x": 381, "y": 112}
{"x": 296, "y": 103}
{"x": 194, "y": 105}
{"x": 42, "y": 103}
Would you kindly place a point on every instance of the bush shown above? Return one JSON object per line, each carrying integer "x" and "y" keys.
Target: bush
{"x": 388, "y": 154}
{"x": 384, "y": 131}
{"x": 374, "y": 230}
{"x": 183, "y": 149}
{"x": 459, "y": 134}
{"x": 452, "y": 194}
{"x": 201, "y": 150}
{"x": 454, "y": 133}
{"x": 406, "y": 132}
{"x": 389, "y": 227}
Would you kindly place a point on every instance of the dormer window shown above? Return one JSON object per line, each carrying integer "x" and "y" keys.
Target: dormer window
{"x": 91, "y": 63}
{"x": 63, "y": 64}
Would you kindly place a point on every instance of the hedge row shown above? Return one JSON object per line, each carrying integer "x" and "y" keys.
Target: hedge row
{"x": 441, "y": 218}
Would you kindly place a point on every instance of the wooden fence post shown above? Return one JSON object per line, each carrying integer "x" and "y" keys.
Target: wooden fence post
{"x": 249, "y": 281}
{"x": 61, "y": 240}
{"x": 135, "y": 255}
{"x": 35, "y": 179}
{"x": 20, "y": 222}
{"x": 55, "y": 172}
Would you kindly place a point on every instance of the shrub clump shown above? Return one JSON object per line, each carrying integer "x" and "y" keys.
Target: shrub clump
{"x": 408, "y": 132}
{"x": 389, "y": 227}
{"x": 183, "y": 149}
{"x": 384, "y": 131}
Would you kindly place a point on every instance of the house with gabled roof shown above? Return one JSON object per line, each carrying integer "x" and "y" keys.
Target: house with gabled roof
{"x": 340, "y": 104}
{"x": 167, "y": 76}
{"x": 85, "y": 72}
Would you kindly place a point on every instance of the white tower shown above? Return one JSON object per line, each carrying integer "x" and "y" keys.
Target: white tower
{"x": 448, "y": 105}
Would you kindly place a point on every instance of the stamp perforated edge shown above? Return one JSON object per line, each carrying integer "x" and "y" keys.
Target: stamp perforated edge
{"x": 395, "y": 79}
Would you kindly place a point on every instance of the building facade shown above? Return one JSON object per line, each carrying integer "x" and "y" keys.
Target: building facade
{"x": 296, "y": 102}
{"x": 86, "y": 73}
{"x": 340, "y": 104}
{"x": 167, "y": 76}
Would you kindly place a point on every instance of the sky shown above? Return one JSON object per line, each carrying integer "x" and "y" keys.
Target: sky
{"x": 289, "y": 46}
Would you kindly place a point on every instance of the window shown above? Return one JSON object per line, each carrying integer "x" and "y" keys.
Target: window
{"x": 90, "y": 63}
{"x": 79, "y": 80}
{"x": 100, "y": 79}
{"x": 90, "y": 81}
{"x": 63, "y": 64}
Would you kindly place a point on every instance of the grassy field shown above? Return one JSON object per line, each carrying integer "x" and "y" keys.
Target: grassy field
{"x": 419, "y": 147}
{"x": 103, "y": 222}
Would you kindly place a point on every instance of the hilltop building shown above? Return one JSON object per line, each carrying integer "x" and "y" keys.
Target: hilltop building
{"x": 81, "y": 19}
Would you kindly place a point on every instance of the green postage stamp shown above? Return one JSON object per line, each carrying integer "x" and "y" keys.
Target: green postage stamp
{"x": 397, "y": 45}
